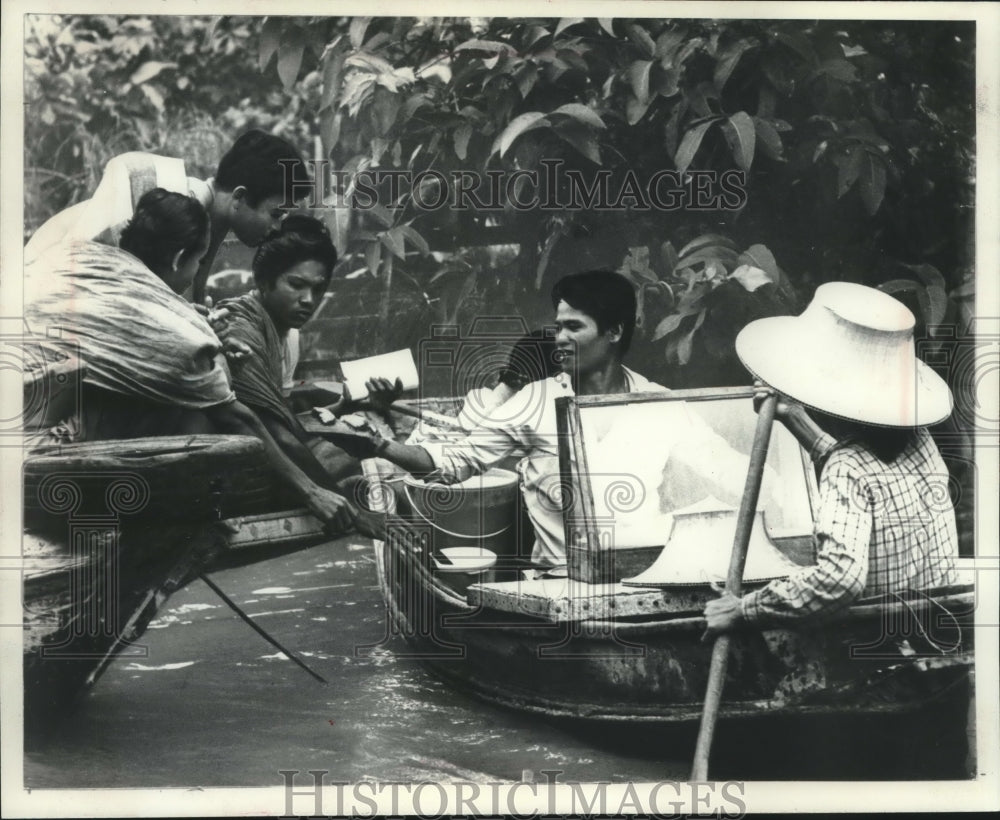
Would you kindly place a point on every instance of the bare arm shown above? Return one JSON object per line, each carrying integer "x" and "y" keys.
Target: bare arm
{"x": 294, "y": 449}
{"x": 411, "y": 457}
{"x": 328, "y": 506}
{"x": 798, "y": 422}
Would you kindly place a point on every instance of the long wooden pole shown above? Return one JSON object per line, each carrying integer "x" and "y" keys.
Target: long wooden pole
{"x": 734, "y": 583}
{"x": 258, "y": 629}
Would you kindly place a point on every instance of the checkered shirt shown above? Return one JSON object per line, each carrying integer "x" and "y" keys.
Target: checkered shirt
{"x": 880, "y": 528}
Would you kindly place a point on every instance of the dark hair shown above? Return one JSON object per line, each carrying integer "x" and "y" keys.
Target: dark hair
{"x": 255, "y": 162}
{"x": 886, "y": 443}
{"x": 300, "y": 238}
{"x": 164, "y": 223}
{"x": 531, "y": 358}
{"x": 607, "y": 297}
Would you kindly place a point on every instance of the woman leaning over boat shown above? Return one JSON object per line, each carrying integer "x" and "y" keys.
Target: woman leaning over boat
{"x": 885, "y": 522}
{"x": 152, "y": 361}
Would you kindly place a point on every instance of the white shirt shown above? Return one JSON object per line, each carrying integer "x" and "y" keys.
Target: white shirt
{"x": 525, "y": 425}
{"x": 290, "y": 359}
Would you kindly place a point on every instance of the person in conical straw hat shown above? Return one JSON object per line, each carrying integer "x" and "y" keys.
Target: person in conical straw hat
{"x": 885, "y": 521}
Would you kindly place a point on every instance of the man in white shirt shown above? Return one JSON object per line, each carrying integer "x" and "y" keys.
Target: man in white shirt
{"x": 595, "y": 320}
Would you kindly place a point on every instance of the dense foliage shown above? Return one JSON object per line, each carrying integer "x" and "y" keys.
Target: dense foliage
{"x": 96, "y": 86}
{"x": 855, "y": 140}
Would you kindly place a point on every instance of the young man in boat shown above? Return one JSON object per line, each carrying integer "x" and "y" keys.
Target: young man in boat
{"x": 595, "y": 319}
{"x": 248, "y": 194}
{"x": 292, "y": 269}
{"x": 153, "y": 363}
{"x": 885, "y": 522}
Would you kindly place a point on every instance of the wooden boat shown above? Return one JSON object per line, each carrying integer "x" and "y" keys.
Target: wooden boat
{"x": 588, "y": 647}
{"x": 113, "y": 528}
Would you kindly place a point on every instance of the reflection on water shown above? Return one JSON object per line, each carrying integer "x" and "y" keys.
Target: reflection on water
{"x": 214, "y": 705}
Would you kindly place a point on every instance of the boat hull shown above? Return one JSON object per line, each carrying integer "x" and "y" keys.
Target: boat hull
{"x": 655, "y": 669}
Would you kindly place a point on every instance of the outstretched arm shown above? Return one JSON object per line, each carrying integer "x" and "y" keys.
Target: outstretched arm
{"x": 297, "y": 452}
{"x": 332, "y": 509}
{"x": 840, "y": 574}
{"x": 798, "y": 422}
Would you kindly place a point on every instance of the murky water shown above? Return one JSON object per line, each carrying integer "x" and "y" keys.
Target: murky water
{"x": 214, "y": 705}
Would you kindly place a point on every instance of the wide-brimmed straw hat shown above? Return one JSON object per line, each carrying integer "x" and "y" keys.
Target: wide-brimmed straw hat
{"x": 850, "y": 354}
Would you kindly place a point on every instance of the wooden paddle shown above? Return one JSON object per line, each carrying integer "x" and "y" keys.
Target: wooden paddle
{"x": 734, "y": 582}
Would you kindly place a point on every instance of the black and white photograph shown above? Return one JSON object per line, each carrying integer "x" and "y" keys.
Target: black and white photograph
{"x": 582, "y": 408}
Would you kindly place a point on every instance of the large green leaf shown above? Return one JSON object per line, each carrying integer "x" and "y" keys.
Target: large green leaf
{"x": 669, "y": 256}
{"x": 290, "y": 56}
{"x": 148, "y": 70}
{"x": 565, "y": 23}
{"x": 526, "y": 76}
{"x": 581, "y": 137}
{"x": 928, "y": 274}
{"x": 691, "y": 142}
{"x": 330, "y": 122}
{"x": 668, "y": 325}
{"x": 839, "y": 70}
{"x": 727, "y": 61}
{"x": 393, "y": 241}
{"x": 415, "y": 239}
{"x": 581, "y": 113}
{"x": 667, "y": 45}
{"x": 939, "y": 304}
{"x": 270, "y": 39}
{"x": 849, "y": 168}
{"x": 636, "y": 264}
{"x": 370, "y": 62}
{"x": 638, "y": 77}
{"x": 691, "y": 298}
{"x": 638, "y": 35}
{"x": 768, "y": 138}
{"x": 742, "y": 138}
{"x": 899, "y": 286}
{"x": 671, "y": 131}
{"x": 704, "y": 241}
{"x": 687, "y": 341}
{"x": 382, "y": 214}
{"x": 799, "y": 44}
{"x": 356, "y": 32}
{"x": 358, "y": 87}
{"x": 760, "y": 256}
{"x": 373, "y": 256}
{"x": 872, "y": 181}
{"x": 516, "y": 127}
{"x": 385, "y": 107}
{"x": 461, "y": 136}
{"x": 414, "y": 102}
{"x": 488, "y": 46}
{"x": 712, "y": 254}
{"x": 533, "y": 36}
{"x": 333, "y": 66}
{"x": 154, "y": 95}
{"x": 635, "y": 109}
{"x": 665, "y": 81}
{"x": 555, "y": 234}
